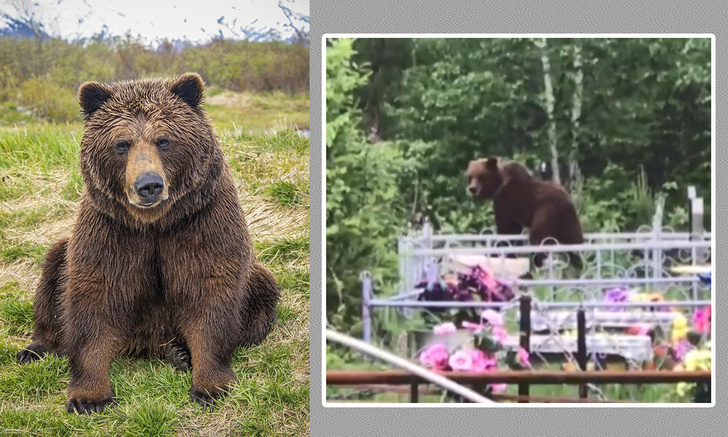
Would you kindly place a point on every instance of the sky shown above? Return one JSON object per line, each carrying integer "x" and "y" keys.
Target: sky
{"x": 197, "y": 20}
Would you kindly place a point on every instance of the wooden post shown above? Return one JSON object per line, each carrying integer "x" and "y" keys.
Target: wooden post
{"x": 414, "y": 391}
{"x": 581, "y": 355}
{"x": 525, "y": 341}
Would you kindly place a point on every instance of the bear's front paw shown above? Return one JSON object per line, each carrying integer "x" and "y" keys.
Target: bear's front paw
{"x": 178, "y": 356}
{"x": 207, "y": 398}
{"x": 34, "y": 351}
{"x": 85, "y": 405}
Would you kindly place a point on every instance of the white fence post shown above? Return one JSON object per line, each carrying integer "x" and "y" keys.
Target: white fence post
{"x": 656, "y": 230}
{"x": 696, "y": 233}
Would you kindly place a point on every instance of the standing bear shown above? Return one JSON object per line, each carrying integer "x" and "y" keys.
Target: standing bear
{"x": 522, "y": 201}
{"x": 160, "y": 262}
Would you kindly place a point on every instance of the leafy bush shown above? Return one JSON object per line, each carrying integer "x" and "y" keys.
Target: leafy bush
{"x": 363, "y": 205}
{"x": 49, "y": 100}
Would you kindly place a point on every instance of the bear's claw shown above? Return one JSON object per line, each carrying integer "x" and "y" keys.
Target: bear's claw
{"x": 207, "y": 400}
{"x": 178, "y": 356}
{"x": 88, "y": 407}
{"x": 31, "y": 353}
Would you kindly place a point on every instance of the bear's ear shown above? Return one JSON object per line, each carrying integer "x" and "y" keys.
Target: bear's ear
{"x": 189, "y": 88}
{"x": 91, "y": 95}
{"x": 491, "y": 163}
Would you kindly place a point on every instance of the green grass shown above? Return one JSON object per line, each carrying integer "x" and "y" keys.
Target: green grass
{"x": 11, "y": 113}
{"x": 251, "y": 112}
{"x": 287, "y": 193}
{"x": 32, "y": 251}
{"x": 39, "y": 192}
{"x": 17, "y": 314}
{"x": 284, "y": 251}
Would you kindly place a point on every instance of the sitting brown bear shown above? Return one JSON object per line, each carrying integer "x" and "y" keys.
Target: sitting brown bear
{"x": 521, "y": 201}
{"x": 160, "y": 262}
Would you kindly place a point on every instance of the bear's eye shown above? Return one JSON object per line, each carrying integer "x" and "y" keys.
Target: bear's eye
{"x": 163, "y": 143}
{"x": 121, "y": 146}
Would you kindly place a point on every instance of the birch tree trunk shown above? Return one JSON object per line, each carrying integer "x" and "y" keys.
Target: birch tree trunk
{"x": 576, "y": 115}
{"x": 549, "y": 98}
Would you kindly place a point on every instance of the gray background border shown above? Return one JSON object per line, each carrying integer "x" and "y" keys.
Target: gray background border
{"x": 427, "y": 16}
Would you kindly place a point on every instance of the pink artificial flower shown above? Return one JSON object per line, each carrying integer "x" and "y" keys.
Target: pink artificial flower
{"x": 490, "y": 362}
{"x": 487, "y": 277}
{"x": 497, "y": 388}
{"x": 701, "y": 320}
{"x": 445, "y": 328}
{"x": 645, "y": 329}
{"x": 500, "y": 334}
{"x": 523, "y": 357}
{"x": 641, "y": 329}
{"x": 435, "y": 356}
{"x": 461, "y": 360}
{"x": 474, "y": 327}
{"x": 492, "y": 317}
{"x": 479, "y": 360}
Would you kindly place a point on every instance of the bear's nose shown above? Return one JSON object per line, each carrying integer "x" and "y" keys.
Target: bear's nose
{"x": 149, "y": 186}
{"x": 472, "y": 190}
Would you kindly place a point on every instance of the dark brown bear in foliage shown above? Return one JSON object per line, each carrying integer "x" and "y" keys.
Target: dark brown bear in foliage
{"x": 521, "y": 201}
{"x": 160, "y": 262}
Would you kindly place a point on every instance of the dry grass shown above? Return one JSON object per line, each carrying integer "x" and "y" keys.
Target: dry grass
{"x": 24, "y": 273}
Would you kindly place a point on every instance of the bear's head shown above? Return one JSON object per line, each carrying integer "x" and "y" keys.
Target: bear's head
{"x": 487, "y": 175}
{"x": 484, "y": 178}
{"x": 146, "y": 143}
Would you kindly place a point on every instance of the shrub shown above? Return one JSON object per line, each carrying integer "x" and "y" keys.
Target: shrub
{"x": 49, "y": 100}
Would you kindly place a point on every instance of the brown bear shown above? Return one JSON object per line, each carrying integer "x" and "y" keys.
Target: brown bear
{"x": 160, "y": 262}
{"x": 521, "y": 201}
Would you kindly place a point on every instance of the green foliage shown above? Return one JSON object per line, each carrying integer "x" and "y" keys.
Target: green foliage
{"x": 645, "y": 116}
{"x": 50, "y": 100}
{"x": 363, "y": 204}
{"x": 244, "y": 65}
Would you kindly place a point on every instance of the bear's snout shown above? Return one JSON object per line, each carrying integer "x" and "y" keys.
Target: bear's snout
{"x": 149, "y": 186}
{"x": 472, "y": 189}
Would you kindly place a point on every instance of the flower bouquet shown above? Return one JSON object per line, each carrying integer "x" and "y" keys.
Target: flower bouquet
{"x": 476, "y": 284}
{"x": 621, "y": 294}
{"x": 696, "y": 359}
{"x": 488, "y": 350}
{"x": 691, "y": 351}
{"x": 698, "y": 356}
{"x": 671, "y": 348}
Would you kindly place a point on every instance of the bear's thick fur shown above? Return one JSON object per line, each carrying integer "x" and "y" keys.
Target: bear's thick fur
{"x": 160, "y": 262}
{"x": 522, "y": 201}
